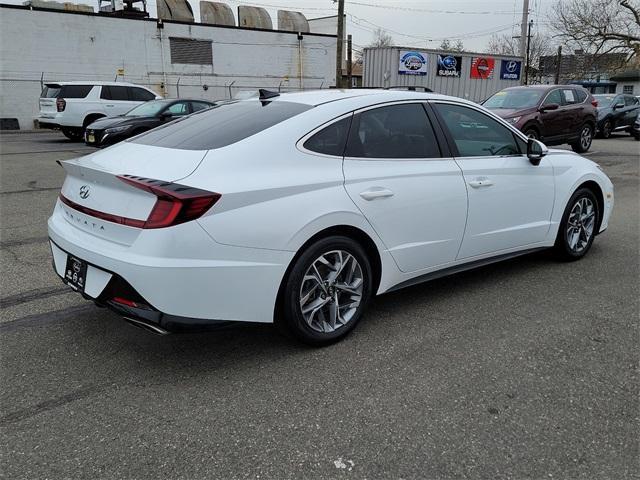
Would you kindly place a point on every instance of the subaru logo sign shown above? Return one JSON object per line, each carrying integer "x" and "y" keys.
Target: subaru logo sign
{"x": 449, "y": 66}
{"x": 84, "y": 191}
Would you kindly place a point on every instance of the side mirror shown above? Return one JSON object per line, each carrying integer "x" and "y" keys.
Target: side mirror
{"x": 536, "y": 150}
{"x": 549, "y": 106}
{"x": 166, "y": 115}
{"x": 618, "y": 106}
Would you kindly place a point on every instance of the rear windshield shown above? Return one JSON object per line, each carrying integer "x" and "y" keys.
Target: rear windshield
{"x": 66, "y": 91}
{"x": 221, "y": 125}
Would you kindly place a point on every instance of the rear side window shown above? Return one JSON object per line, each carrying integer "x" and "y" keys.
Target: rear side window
{"x": 569, "y": 95}
{"x": 395, "y": 131}
{"x": 197, "y": 106}
{"x": 221, "y": 125}
{"x": 330, "y": 140}
{"x": 74, "y": 91}
{"x": 50, "y": 91}
{"x": 582, "y": 95}
{"x": 111, "y": 92}
{"x": 140, "y": 94}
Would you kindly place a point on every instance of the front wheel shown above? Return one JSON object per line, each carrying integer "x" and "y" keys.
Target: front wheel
{"x": 578, "y": 226}
{"x": 606, "y": 129}
{"x": 531, "y": 132}
{"x": 584, "y": 141}
{"x": 327, "y": 291}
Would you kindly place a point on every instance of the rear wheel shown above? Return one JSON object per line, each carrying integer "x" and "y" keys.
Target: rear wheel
{"x": 578, "y": 226}
{"x": 72, "y": 133}
{"x": 584, "y": 141}
{"x": 327, "y": 291}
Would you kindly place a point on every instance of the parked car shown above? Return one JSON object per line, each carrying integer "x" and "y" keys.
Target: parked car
{"x": 616, "y": 112}
{"x": 110, "y": 130}
{"x": 635, "y": 128}
{"x": 298, "y": 208}
{"x": 555, "y": 114}
{"x": 71, "y": 106}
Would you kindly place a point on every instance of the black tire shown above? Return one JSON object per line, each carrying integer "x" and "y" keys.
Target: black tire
{"x": 606, "y": 129}
{"x": 583, "y": 144}
{"x": 531, "y": 132}
{"x": 72, "y": 133}
{"x": 291, "y": 313}
{"x": 563, "y": 245}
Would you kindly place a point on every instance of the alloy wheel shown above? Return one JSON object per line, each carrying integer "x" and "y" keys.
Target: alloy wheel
{"x": 331, "y": 291}
{"x": 580, "y": 225}
{"x": 586, "y": 137}
{"x": 606, "y": 129}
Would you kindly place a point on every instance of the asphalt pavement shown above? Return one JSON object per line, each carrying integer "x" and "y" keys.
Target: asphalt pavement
{"x": 523, "y": 369}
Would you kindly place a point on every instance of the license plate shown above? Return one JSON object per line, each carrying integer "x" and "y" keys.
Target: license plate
{"x": 91, "y": 138}
{"x": 75, "y": 273}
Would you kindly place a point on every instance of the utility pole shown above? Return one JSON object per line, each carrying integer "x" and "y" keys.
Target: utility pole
{"x": 340, "y": 44}
{"x": 526, "y": 72}
{"x": 558, "y": 63}
{"x": 523, "y": 27}
{"x": 349, "y": 62}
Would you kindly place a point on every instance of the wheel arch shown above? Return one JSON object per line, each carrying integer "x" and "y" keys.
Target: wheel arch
{"x": 91, "y": 117}
{"x": 350, "y": 231}
{"x": 597, "y": 191}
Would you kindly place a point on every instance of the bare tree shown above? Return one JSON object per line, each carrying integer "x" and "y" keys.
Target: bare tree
{"x": 507, "y": 45}
{"x": 447, "y": 46}
{"x": 599, "y": 27}
{"x": 381, "y": 39}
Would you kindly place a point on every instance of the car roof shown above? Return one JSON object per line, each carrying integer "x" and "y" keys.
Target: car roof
{"x": 319, "y": 97}
{"x": 89, "y": 82}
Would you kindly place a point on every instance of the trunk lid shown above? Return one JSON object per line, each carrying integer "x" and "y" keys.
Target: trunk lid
{"x": 48, "y": 98}
{"x": 96, "y": 200}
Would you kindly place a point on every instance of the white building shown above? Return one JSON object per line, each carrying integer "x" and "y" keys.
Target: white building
{"x": 173, "y": 58}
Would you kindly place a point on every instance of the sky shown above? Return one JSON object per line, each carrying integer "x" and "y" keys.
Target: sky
{"x": 411, "y": 23}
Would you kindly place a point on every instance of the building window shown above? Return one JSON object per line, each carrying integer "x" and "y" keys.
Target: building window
{"x": 188, "y": 50}
{"x": 628, "y": 89}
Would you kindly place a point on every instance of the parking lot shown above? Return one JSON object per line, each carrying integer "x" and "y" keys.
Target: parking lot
{"x": 522, "y": 369}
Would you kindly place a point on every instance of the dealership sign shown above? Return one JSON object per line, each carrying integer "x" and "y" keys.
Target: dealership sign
{"x": 482, "y": 67}
{"x": 412, "y": 63}
{"x": 449, "y": 66}
{"x": 510, "y": 70}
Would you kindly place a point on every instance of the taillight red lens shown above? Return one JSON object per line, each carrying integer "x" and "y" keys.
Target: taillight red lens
{"x": 61, "y": 104}
{"x": 594, "y": 102}
{"x": 176, "y": 203}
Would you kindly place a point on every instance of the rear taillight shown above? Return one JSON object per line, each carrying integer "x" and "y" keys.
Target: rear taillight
{"x": 594, "y": 102}
{"x": 175, "y": 204}
{"x": 61, "y": 103}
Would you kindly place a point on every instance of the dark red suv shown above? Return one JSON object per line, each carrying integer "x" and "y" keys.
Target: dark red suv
{"x": 554, "y": 114}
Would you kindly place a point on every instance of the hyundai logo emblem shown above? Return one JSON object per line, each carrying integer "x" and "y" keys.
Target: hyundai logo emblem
{"x": 512, "y": 66}
{"x": 76, "y": 266}
{"x": 84, "y": 191}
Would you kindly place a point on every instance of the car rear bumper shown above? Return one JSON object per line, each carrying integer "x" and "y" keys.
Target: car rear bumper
{"x": 182, "y": 278}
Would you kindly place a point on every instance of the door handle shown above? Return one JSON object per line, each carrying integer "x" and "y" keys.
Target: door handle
{"x": 480, "y": 182}
{"x": 376, "y": 192}
{"x": 109, "y": 105}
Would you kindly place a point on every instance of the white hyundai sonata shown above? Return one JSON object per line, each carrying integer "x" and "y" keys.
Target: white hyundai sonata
{"x": 298, "y": 208}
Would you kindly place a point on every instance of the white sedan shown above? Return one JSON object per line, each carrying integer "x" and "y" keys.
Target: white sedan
{"x": 298, "y": 208}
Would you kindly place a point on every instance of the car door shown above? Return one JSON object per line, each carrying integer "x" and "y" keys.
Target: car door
{"x": 573, "y": 109}
{"x": 510, "y": 199}
{"x": 632, "y": 107}
{"x": 410, "y": 191}
{"x": 554, "y": 122}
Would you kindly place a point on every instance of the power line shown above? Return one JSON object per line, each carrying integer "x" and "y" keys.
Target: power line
{"x": 426, "y": 10}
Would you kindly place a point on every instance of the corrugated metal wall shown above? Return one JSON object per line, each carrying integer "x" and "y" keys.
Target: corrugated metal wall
{"x": 381, "y": 70}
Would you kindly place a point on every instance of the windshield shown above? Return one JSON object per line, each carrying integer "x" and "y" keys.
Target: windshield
{"x": 148, "y": 109}
{"x": 514, "y": 99}
{"x": 604, "y": 100}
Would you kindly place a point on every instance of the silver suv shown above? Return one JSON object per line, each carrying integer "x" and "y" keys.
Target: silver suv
{"x": 71, "y": 106}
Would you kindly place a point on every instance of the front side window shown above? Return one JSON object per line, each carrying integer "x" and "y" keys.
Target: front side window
{"x": 395, "y": 131}
{"x": 178, "y": 109}
{"x": 221, "y": 125}
{"x": 476, "y": 134}
{"x": 554, "y": 97}
{"x": 630, "y": 101}
{"x": 330, "y": 140}
{"x": 197, "y": 106}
